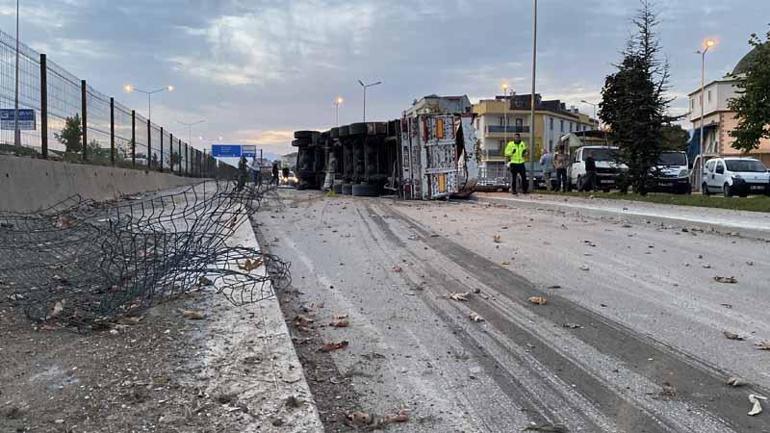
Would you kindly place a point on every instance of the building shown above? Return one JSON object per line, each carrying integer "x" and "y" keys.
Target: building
{"x": 434, "y": 104}
{"x": 500, "y": 118}
{"x": 718, "y": 120}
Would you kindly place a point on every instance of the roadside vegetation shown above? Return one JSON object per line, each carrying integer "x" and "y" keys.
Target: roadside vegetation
{"x": 757, "y": 203}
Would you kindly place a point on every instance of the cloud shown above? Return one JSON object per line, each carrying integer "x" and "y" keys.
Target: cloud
{"x": 278, "y": 43}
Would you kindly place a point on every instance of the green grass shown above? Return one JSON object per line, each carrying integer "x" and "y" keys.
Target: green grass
{"x": 759, "y": 203}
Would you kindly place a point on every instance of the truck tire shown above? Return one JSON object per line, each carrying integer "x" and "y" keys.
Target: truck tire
{"x": 705, "y": 189}
{"x": 334, "y": 133}
{"x": 726, "y": 190}
{"x": 365, "y": 190}
{"x": 344, "y": 131}
{"x": 304, "y": 135}
{"x": 358, "y": 128}
{"x": 347, "y": 189}
{"x": 301, "y": 143}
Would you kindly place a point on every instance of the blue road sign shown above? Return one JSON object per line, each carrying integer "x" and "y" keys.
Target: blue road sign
{"x": 249, "y": 151}
{"x": 226, "y": 150}
{"x": 26, "y": 119}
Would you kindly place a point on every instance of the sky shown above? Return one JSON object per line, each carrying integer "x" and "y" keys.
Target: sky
{"x": 256, "y": 70}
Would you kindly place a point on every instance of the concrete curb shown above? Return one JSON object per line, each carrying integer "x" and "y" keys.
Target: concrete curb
{"x": 249, "y": 354}
{"x": 634, "y": 217}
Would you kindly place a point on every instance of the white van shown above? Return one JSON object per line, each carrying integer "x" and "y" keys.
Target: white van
{"x": 735, "y": 176}
{"x": 608, "y": 171}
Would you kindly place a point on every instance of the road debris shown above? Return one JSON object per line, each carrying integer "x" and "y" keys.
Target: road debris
{"x": 756, "y": 407}
{"x": 668, "y": 392}
{"x": 330, "y": 347}
{"x": 342, "y": 322}
{"x": 728, "y": 306}
{"x": 725, "y": 280}
{"x": 584, "y": 268}
{"x": 537, "y": 300}
{"x": 249, "y": 265}
{"x": 554, "y": 287}
{"x": 763, "y": 345}
{"x": 396, "y": 269}
{"x": 475, "y": 317}
{"x": 732, "y": 336}
{"x": 460, "y": 297}
{"x": 360, "y": 419}
{"x": 193, "y": 314}
{"x": 550, "y": 428}
{"x": 571, "y": 325}
{"x": 497, "y": 239}
{"x": 735, "y": 381}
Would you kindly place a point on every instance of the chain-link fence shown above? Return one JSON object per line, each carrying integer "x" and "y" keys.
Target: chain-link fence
{"x": 77, "y": 123}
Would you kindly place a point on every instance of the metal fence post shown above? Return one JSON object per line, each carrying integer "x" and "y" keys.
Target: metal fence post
{"x": 84, "y": 117}
{"x": 180, "y": 155}
{"x": 161, "y": 149}
{"x": 133, "y": 138}
{"x": 112, "y": 131}
{"x": 43, "y": 106}
{"x": 171, "y": 153}
{"x": 186, "y": 159}
{"x": 149, "y": 145}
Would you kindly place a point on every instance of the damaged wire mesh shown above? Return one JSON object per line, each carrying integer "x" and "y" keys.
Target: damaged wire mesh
{"x": 80, "y": 262}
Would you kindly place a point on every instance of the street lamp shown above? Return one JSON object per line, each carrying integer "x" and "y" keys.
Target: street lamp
{"x": 129, "y": 88}
{"x": 707, "y": 44}
{"x": 532, "y": 98}
{"x": 337, "y": 103}
{"x": 596, "y": 121}
{"x": 189, "y": 126}
{"x": 366, "y": 86}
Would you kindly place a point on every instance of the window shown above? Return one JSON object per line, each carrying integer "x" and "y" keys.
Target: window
{"x": 502, "y": 121}
{"x": 551, "y": 122}
{"x": 692, "y": 104}
{"x": 571, "y": 126}
{"x": 519, "y": 123}
{"x": 708, "y": 96}
{"x": 562, "y": 125}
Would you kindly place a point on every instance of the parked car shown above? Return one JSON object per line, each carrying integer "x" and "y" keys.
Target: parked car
{"x": 672, "y": 173}
{"x": 535, "y": 170}
{"x": 608, "y": 170}
{"x": 735, "y": 176}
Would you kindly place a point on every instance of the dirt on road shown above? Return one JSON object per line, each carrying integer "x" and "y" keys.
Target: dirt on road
{"x": 481, "y": 318}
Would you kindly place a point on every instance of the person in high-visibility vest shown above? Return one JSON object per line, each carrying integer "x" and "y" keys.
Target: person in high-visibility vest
{"x": 515, "y": 151}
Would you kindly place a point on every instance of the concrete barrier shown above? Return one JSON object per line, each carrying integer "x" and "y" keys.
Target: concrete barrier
{"x": 28, "y": 184}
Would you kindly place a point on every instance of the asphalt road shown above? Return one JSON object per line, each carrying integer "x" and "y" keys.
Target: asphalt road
{"x": 631, "y": 338}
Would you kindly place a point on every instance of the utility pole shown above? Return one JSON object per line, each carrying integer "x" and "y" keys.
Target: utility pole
{"x": 532, "y": 99}
{"x": 706, "y": 45}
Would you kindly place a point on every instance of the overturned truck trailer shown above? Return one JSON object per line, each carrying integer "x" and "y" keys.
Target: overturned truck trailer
{"x": 430, "y": 153}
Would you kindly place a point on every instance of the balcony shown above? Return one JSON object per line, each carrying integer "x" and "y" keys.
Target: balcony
{"x": 510, "y": 129}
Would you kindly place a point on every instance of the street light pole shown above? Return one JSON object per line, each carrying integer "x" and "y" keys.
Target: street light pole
{"x": 130, "y": 88}
{"x": 366, "y": 86}
{"x": 16, "y": 131}
{"x": 189, "y": 126}
{"x": 596, "y": 121}
{"x": 708, "y": 44}
{"x": 337, "y": 103}
{"x": 532, "y": 99}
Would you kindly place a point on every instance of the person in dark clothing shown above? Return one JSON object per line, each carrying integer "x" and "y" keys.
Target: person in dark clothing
{"x": 275, "y": 173}
{"x": 589, "y": 183}
{"x": 285, "y": 172}
{"x": 243, "y": 173}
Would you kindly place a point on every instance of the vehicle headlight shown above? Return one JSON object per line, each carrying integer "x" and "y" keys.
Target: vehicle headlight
{"x": 737, "y": 176}
{"x": 684, "y": 173}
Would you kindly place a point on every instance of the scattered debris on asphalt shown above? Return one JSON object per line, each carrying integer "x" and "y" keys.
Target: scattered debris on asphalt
{"x": 360, "y": 419}
{"x": 763, "y": 345}
{"x": 732, "y": 336}
{"x": 571, "y": 325}
{"x": 554, "y": 287}
{"x": 460, "y": 297}
{"x": 725, "y": 280}
{"x": 303, "y": 321}
{"x": 249, "y": 265}
{"x": 550, "y": 428}
{"x": 668, "y": 392}
{"x": 397, "y": 269}
{"x": 193, "y": 314}
{"x": 373, "y": 422}
{"x": 756, "y": 407}
{"x": 497, "y": 239}
{"x": 538, "y": 300}
{"x": 584, "y": 268}
{"x": 331, "y": 347}
{"x": 728, "y": 306}
{"x": 340, "y": 322}
{"x": 735, "y": 381}
{"x": 475, "y": 317}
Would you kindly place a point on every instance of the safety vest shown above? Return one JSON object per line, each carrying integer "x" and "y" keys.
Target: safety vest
{"x": 515, "y": 152}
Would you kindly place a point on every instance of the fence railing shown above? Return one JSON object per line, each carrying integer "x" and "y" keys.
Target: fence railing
{"x": 77, "y": 123}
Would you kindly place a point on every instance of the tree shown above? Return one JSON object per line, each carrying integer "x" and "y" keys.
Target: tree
{"x": 71, "y": 135}
{"x": 674, "y": 138}
{"x": 634, "y": 104}
{"x": 752, "y": 106}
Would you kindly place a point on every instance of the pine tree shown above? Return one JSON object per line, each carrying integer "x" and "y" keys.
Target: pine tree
{"x": 752, "y": 106}
{"x": 634, "y": 104}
